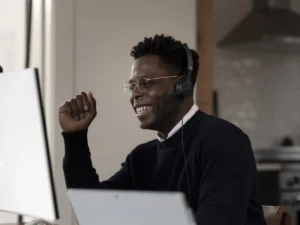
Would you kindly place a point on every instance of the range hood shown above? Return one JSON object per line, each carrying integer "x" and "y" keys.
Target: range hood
{"x": 269, "y": 22}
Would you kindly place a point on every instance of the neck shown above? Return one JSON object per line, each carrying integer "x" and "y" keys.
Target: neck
{"x": 182, "y": 110}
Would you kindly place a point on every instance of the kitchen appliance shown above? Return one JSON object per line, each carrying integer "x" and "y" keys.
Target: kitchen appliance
{"x": 279, "y": 178}
{"x": 271, "y": 25}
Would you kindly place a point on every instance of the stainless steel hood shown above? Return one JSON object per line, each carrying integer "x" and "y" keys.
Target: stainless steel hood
{"x": 269, "y": 22}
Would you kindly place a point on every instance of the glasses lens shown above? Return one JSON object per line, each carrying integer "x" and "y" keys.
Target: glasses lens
{"x": 141, "y": 83}
{"x": 128, "y": 88}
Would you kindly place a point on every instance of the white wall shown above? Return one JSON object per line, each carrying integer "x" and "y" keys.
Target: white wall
{"x": 58, "y": 86}
{"x": 104, "y": 37}
{"x": 254, "y": 96}
{"x": 12, "y": 34}
{"x": 91, "y": 48}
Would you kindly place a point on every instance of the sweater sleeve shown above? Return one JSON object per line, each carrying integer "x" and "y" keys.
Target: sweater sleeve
{"x": 228, "y": 174}
{"x": 79, "y": 171}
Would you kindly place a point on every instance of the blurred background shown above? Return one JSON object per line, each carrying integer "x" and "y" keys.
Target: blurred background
{"x": 249, "y": 74}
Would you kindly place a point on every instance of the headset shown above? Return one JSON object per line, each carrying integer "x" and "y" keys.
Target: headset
{"x": 184, "y": 86}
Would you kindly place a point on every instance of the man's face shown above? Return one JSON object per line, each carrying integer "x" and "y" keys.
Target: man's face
{"x": 154, "y": 109}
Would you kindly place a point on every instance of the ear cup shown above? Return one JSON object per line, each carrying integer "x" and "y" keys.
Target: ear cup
{"x": 183, "y": 87}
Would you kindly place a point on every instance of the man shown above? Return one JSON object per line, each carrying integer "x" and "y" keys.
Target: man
{"x": 208, "y": 159}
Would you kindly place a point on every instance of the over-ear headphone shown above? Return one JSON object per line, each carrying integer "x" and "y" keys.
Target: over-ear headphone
{"x": 184, "y": 86}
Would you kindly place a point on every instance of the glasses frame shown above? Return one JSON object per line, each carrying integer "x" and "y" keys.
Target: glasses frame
{"x": 147, "y": 79}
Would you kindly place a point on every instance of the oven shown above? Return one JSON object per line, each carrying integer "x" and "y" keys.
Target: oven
{"x": 279, "y": 179}
{"x": 290, "y": 190}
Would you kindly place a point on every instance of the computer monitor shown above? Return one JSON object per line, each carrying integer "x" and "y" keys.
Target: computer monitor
{"x": 26, "y": 180}
{"x": 114, "y": 207}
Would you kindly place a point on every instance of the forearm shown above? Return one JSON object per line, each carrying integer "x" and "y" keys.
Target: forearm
{"x": 79, "y": 175}
{"x": 79, "y": 171}
{"x": 77, "y": 164}
{"x": 83, "y": 175}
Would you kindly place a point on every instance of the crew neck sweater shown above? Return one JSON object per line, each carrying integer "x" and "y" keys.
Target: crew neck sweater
{"x": 217, "y": 174}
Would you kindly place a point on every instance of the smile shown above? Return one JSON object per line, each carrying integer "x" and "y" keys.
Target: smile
{"x": 141, "y": 110}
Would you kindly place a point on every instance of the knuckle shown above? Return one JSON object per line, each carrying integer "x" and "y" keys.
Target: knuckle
{"x": 62, "y": 105}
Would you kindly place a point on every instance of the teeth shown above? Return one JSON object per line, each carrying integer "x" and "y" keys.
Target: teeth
{"x": 142, "y": 109}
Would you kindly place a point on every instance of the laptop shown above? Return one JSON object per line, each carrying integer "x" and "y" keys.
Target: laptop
{"x": 110, "y": 207}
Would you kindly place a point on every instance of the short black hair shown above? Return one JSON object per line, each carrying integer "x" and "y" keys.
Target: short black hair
{"x": 171, "y": 52}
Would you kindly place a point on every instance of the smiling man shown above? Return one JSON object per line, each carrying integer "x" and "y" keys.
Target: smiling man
{"x": 208, "y": 159}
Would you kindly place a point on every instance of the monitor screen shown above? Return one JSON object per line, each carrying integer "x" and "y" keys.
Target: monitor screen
{"x": 26, "y": 182}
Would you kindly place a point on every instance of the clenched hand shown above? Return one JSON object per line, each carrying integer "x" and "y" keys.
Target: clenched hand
{"x": 78, "y": 113}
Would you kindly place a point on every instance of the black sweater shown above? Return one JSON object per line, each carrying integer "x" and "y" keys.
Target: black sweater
{"x": 220, "y": 163}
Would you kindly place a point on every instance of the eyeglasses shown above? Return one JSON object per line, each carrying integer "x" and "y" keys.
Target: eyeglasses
{"x": 143, "y": 84}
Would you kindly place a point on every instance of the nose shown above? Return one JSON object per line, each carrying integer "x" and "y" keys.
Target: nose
{"x": 136, "y": 93}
